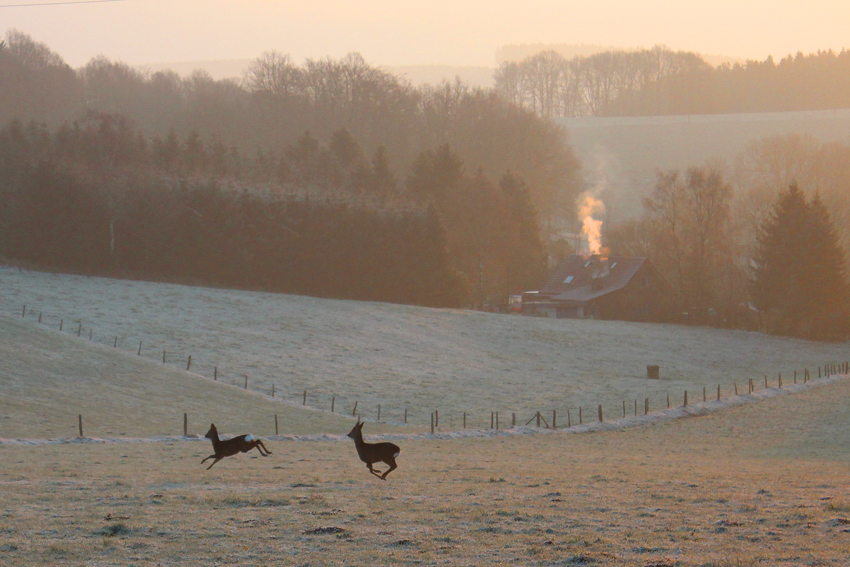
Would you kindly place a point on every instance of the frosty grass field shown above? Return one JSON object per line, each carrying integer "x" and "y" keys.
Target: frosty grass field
{"x": 760, "y": 483}
{"x": 398, "y": 356}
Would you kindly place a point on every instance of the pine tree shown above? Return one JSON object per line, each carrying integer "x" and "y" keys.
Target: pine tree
{"x": 800, "y": 281}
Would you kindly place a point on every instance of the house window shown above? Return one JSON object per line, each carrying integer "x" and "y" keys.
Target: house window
{"x": 569, "y": 279}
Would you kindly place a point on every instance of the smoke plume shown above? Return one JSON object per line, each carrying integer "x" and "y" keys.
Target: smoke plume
{"x": 589, "y": 205}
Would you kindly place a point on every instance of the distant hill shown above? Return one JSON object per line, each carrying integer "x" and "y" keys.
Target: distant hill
{"x": 415, "y": 74}
{"x": 436, "y": 74}
{"x": 519, "y": 52}
{"x": 218, "y": 70}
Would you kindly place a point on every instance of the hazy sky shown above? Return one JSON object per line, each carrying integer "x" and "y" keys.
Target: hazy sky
{"x": 394, "y": 32}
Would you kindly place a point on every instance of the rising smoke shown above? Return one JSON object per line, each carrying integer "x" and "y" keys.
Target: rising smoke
{"x": 588, "y": 205}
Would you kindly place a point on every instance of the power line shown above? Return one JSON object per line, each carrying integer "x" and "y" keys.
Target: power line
{"x": 58, "y": 3}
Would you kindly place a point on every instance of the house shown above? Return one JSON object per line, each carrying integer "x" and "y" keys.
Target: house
{"x": 600, "y": 287}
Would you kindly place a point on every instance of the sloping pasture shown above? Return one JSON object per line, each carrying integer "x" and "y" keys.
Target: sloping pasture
{"x": 407, "y": 358}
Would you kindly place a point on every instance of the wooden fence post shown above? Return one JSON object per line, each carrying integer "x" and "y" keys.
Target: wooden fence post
{"x": 333, "y": 403}
{"x": 354, "y": 411}
{"x": 513, "y": 419}
{"x": 24, "y": 314}
{"x": 718, "y": 392}
{"x": 304, "y": 401}
{"x": 91, "y": 330}
{"x": 686, "y": 399}
{"x": 405, "y": 417}
{"x": 60, "y": 323}
{"x": 189, "y": 363}
{"x": 80, "y": 329}
{"x": 600, "y": 413}
{"x": 39, "y": 316}
{"x": 579, "y": 416}
{"x": 569, "y": 419}
{"x": 432, "y": 423}
{"x": 379, "y": 412}
{"x": 703, "y": 394}
{"x": 497, "y": 421}
{"x": 163, "y": 356}
{"x": 185, "y": 424}
{"x": 246, "y": 382}
{"x": 115, "y": 344}
{"x": 275, "y": 424}
{"x": 140, "y": 349}
{"x": 554, "y": 419}
{"x": 464, "y": 417}
{"x": 273, "y": 390}
{"x": 80, "y": 422}
{"x": 646, "y": 406}
{"x": 436, "y": 418}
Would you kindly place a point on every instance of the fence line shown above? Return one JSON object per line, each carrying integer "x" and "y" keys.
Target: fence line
{"x": 826, "y": 370}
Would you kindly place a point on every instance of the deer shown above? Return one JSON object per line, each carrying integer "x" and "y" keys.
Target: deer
{"x": 371, "y": 453}
{"x": 230, "y": 447}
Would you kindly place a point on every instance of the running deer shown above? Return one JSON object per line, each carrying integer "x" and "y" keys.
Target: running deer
{"x": 371, "y": 453}
{"x": 230, "y": 447}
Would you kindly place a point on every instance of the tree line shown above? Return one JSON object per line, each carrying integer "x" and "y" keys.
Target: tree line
{"x": 304, "y": 178}
{"x": 277, "y": 100}
{"x": 98, "y": 197}
{"x": 762, "y": 246}
{"x": 660, "y": 81}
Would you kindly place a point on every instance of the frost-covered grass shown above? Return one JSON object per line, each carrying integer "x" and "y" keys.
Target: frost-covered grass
{"x": 753, "y": 485}
{"x": 398, "y": 356}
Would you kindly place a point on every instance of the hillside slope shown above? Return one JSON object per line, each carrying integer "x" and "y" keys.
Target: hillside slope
{"x": 48, "y": 378}
{"x": 407, "y": 358}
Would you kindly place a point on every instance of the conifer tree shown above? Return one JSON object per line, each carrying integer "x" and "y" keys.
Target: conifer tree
{"x": 800, "y": 281}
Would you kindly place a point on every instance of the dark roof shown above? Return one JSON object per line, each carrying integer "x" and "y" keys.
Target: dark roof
{"x": 582, "y": 278}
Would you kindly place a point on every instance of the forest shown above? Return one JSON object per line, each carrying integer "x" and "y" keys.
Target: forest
{"x": 760, "y": 244}
{"x": 660, "y": 81}
{"x": 335, "y": 178}
{"x": 316, "y": 179}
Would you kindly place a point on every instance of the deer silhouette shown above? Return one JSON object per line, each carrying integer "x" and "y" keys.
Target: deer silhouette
{"x": 371, "y": 453}
{"x": 230, "y": 447}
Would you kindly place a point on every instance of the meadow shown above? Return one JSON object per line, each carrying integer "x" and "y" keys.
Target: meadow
{"x": 404, "y": 358}
{"x": 761, "y": 481}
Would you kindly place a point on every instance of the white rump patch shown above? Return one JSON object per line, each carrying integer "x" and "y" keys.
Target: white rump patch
{"x": 249, "y": 437}
{"x": 396, "y": 454}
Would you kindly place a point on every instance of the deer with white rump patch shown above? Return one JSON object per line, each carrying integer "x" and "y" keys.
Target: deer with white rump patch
{"x": 371, "y": 453}
{"x": 230, "y": 447}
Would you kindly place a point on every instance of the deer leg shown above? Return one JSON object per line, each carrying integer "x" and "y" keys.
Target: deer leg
{"x": 261, "y": 448}
{"x": 373, "y": 471}
{"x": 217, "y": 459}
{"x": 393, "y": 467}
{"x": 210, "y": 457}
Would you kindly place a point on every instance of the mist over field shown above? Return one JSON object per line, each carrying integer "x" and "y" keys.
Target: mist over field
{"x": 623, "y": 155}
